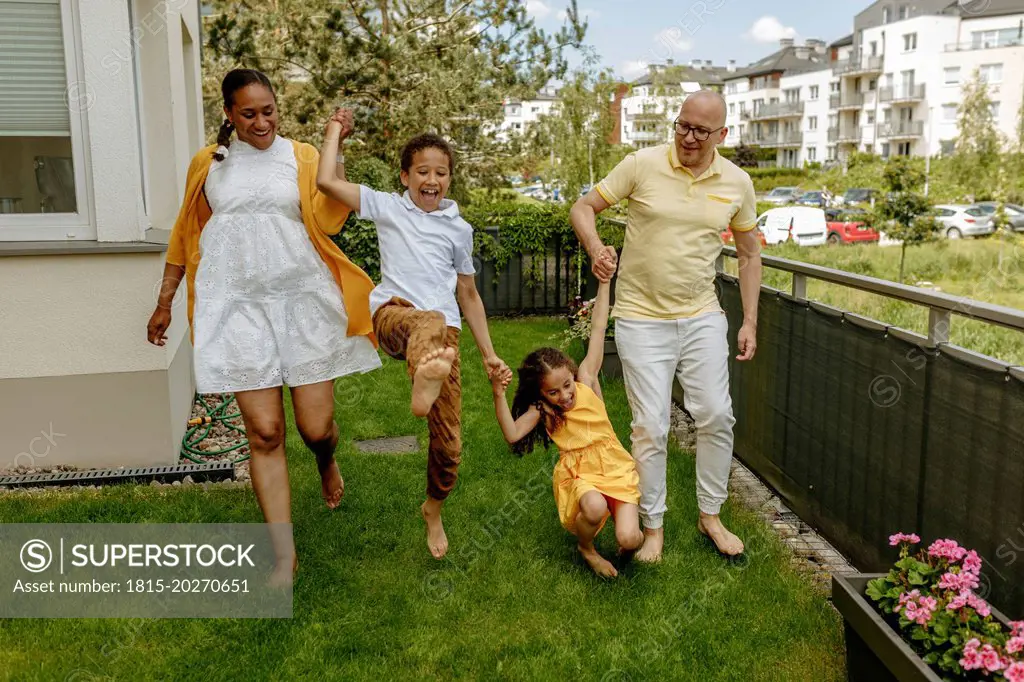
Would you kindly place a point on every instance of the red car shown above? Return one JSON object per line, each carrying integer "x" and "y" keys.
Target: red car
{"x": 727, "y": 236}
{"x": 842, "y": 230}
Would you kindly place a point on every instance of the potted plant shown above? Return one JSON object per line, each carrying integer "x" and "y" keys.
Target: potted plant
{"x": 579, "y": 330}
{"x": 924, "y": 621}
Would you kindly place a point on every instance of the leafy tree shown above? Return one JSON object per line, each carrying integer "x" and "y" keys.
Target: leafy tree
{"x": 976, "y": 155}
{"x": 904, "y": 210}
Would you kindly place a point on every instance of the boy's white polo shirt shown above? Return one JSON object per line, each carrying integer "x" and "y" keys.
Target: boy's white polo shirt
{"x": 421, "y": 254}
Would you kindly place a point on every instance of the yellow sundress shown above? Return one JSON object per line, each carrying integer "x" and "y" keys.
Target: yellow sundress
{"x": 590, "y": 458}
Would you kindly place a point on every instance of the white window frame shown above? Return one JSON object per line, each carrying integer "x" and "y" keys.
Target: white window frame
{"x": 945, "y": 75}
{"x": 79, "y": 226}
{"x": 946, "y": 108}
{"x": 813, "y": 94}
{"x": 909, "y": 42}
{"x": 981, "y": 70}
{"x": 812, "y": 122}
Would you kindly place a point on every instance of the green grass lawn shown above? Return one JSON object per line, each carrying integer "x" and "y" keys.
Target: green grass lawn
{"x": 988, "y": 270}
{"x": 511, "y": 601}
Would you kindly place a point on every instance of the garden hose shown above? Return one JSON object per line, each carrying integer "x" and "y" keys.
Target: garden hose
{"x": 200, "y": 428}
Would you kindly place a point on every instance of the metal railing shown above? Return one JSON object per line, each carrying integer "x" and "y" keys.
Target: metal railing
{"x": 903, "y": 93}
{"x": 982, "y": 45}
{"x": 844, "y": 134}
{"x": 847, "y": 101}
{"x": 901, "y": 129}
{"x": 850, "y": 67}
{"x": 774, "y": 110}
{"x": 648, "y": 136}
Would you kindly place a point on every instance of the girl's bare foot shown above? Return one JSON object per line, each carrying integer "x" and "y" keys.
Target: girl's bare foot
{"x": 654, "y": 541}
{"x": 431, "y": 371}
{"x": 437, "y": 541}
{"x": 284, "y": 573}
{"x": 602, "y": 567}
{"x": 332, "y": 485}
{"x": 727, "y": 543}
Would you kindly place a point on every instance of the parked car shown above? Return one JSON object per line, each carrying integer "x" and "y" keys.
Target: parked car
{"x": 813, "y": 198}
{"x": 1015, "y": 213}
{"x": 804, "y": 225}
{"x": 727, "y": 237}
{"x": 963, "y": 221}
{"x": 856, "y": 195}
{"x": 846, "y": 228}
{"x": 781, "y": 195}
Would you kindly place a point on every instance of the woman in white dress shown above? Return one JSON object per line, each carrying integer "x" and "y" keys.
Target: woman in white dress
{"x": 272, "y": 300}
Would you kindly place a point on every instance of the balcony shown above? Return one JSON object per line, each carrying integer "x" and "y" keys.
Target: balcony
{"x": 848, "y": 101}
{"x": 788, "y": 138}
{"x": 896, "y": 130}
{"x": 983, "y": 45}
{"x": 774, "y": 111}
{"x": 903, "y": 93}
{"x": 648, "y": 136}
{"x": 845, "y": 134}
{"x": 647, "y": 116}
{"x": 858, "y": 66}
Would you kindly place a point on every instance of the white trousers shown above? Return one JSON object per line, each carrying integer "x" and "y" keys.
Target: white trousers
{"x": 653, "y": 353}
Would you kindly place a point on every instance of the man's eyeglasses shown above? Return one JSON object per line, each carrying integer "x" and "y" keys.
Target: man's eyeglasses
{"x": 698, "y": 133}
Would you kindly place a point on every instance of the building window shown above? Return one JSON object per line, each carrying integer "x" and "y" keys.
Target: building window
{"x": 812, "y": 153}
{"x": 951, "y": 75}
{"x": 903, "y": 12}
{"x": 874, "y": 48}
{"x": 903, "y": 149}
{"x": 991, "y": 73}
{"x": 949, "y": 113}
{"x": 994, "y": 108}
{"x": 730, "y": 89}
{"x": 534, "y": 110}
{"x": 909, "y": 42}
{"x": 732, "y": 109}
{"x": 885, "y": 150}
{"x": 812, "y": 122}
{"x": 830, "y": 153}
{"x": 871, "y": 118}
{"x": 833, "y": 88}
{"x": 813, "y": 92}
{"x": 41, "y": 138}
{"x": 872, "y": 85}
{"x": 947, "y": 147}
{"x": 886, "y": 15}
{"x": 792, "y": 94}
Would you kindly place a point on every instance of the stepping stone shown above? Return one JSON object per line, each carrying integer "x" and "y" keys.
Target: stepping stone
{"x": 389, "y": 446}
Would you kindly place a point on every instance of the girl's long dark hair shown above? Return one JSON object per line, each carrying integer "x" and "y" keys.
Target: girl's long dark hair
{"x": 234, "y": 81}
{"x": 535, "y": 367}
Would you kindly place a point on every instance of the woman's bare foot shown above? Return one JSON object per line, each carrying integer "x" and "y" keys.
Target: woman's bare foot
{"x": 332, "y": 485}
{"x": 284, "y": 573}
{"x": 437, "y": 541}
{"x": 650, "y": 551}
{"x": 602, "y": 567}
{"x": 727, "y": 543}
{"x": 431, "y": 371}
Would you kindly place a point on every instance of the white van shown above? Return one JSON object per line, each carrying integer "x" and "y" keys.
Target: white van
{"x": 804, "y": 224}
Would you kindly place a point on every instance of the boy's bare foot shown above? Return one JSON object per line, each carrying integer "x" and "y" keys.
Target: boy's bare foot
{"x": 437, "y": 541}
{"x": 654, "y": 541}
{"x": 727, "y": 543}
{"x": 432, "y": 370}
{"x": 602, "y": 567}
{"x": 332, "y": 485}
{"x": 284, "y": 573}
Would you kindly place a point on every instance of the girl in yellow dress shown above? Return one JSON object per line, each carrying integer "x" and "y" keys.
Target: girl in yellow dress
{"x": 595, "y": 477}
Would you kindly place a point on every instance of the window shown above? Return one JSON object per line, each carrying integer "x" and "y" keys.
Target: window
{"x": 886, "y": 15}
{"x": 903, "y": 149}
{"x": 871, "y": 118}
{"x": 949, "y": 113}
{"x": 903, "y": 12}
{"x": 856, "y": 84}
{"x": 830, "y": 153}
{"x": 743, "y": 108}
{"x": 872, "y": 85}
{"x": 792, "y": 95}
{"x": 909, "y": 42}
{"x": 885, "y": 150}
{"x": 732, "y": 109}
{"x": 995, "y": 38}
{"x": 812, "y": 153}
{"x": 874, "y": 48}
{"x": 833, "y": 88}
{"x": 814, "y": 92}
{"x": 951, "y": 75}
{"x": 991, "y": 73}
{"x": 534, "y": 110}
{"x": 730, "y": 89}
{"x": 812, "y": 122}
{"x": 41, "y": 141}
{"x": 994, "y": 108}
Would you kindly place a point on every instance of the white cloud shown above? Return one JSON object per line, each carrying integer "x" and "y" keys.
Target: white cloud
{"x": 769, "y": 30}
{"x": 586, "y": 13}
{"x": 537, "y": 8}
{"x": 633, "y": 69}
{"x": 671, "y": 40}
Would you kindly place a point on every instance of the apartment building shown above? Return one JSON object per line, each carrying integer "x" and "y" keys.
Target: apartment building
{"x": 781, "y": 102}
{"x": 647, "y": 111}
{"x": 521, "y": 114}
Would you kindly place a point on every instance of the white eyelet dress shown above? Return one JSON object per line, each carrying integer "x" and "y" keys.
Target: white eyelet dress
{"x": 267, "y": 309}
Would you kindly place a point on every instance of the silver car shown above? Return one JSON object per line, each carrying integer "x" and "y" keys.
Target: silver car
{"x": 1014, "y": 213}
{"x": 963, "y": 221}
{"x": 782, "y": 195}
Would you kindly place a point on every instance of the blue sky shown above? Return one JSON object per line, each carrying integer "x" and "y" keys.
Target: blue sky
{"x": 628, "y": 34}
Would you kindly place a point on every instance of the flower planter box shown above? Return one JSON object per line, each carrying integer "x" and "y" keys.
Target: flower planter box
{"x": 875, "y": 652}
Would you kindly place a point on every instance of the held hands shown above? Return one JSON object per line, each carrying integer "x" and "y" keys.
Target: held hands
{"x": 342, "y": 122}
{"x": 498, "y": 372}
{"x": 605, "y": 261}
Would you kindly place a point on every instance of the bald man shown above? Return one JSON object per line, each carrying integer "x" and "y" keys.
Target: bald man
{"x": 668, "y": 321}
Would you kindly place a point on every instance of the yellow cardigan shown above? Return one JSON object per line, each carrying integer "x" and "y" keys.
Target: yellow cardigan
{"x": 321, "y": 214}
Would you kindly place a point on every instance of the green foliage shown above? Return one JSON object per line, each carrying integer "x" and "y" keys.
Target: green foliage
{"x": 358, "y": 238}
{"x": 978, "y": 145}
{"x": 905, "y": 213}
{"x": 746, "y": 156}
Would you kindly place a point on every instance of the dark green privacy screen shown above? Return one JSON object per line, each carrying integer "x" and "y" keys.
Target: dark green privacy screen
{"x": 866, "y": 431}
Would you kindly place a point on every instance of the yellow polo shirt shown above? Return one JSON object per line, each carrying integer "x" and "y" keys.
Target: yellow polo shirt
{"x": 673, "y": 231}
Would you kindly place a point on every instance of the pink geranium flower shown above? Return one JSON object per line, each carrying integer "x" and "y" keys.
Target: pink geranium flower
{"x": 990, "y": 659}
{"x": 1015, "y": 645}
{"x": 971, "y": 659}
{"x": 958, "y": 582}
{"x": 1015, "y": 673}
{"x": 896, "y": 539}
{"x": 1017, "y": 628}
{"x": 972, "y": 563}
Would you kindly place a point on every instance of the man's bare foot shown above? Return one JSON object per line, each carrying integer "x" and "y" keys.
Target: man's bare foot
{"x": 727, "y": 543}
{"x": 284, "y": 573}
{"x": 431, "y": 371}
{"x": 601, "y": 566}
{"x": 332, "y": 485}
{"x": 437, "y": 541}
{"x": 654, "y": 541}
